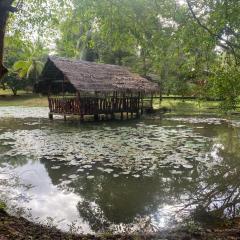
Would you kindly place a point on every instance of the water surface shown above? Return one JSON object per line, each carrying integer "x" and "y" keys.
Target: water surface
{"x": 146, "y": 175}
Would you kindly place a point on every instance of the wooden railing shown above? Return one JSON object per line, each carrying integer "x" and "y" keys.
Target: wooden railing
{"x": 92, "y": 106}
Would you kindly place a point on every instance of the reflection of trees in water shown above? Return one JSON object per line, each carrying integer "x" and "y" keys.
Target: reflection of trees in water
{"x": 123, "y": 200}
{"x": 120, "y": 201}
{"x": 107, "y": 200}
{"x": 93, "y": 215}
{"x": 218, "y": 193}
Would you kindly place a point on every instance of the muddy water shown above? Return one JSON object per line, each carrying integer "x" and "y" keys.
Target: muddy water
{"x": 118, "y": 176}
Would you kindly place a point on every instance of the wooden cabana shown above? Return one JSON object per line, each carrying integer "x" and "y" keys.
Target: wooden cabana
{"x": 82, "y": 88}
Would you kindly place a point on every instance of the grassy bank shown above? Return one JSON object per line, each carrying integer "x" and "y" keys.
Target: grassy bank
{"x": 188, "y": 106}
{"x": 27, "y": 100}
{"x": 178, "y": 106}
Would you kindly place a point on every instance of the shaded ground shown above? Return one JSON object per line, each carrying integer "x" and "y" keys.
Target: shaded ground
{"x": 20, "y": 228}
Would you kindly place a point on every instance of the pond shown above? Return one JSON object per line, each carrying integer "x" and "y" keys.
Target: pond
{"x": 141, "y": 175}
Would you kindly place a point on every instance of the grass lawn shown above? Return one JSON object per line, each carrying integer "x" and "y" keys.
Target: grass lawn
{"x": 23, "y": 99}
{"x": 189, "y": 106}
{"x": 178, "y": 106}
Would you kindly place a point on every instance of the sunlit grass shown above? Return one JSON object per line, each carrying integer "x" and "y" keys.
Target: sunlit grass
{"x": 34, "y": 100}
{"x": 187, "y": 105}
{"x": 22, "y": 99}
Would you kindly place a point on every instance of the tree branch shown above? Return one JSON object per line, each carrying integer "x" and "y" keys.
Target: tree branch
{"x": 216, "y": 36}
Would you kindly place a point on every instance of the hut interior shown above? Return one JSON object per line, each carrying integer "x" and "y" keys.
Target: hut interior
{"x": 83, "y": 88}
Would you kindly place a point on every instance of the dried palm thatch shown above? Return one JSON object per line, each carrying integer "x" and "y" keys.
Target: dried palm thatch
{"x": 88, "y": 77}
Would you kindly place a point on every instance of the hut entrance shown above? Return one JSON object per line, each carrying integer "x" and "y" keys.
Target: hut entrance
{"x": 84, "y": 88}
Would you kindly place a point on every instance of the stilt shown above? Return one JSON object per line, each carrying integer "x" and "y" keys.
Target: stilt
{"x": 137, "y": 113}
{"x": 96, "y": 117}
{"x": 121, "y": 115}
{"x": 131, "y": 105}
{"x": 81, "y": 118}
{"x": 112, "y": 116}
{"x": 65, "y": 118}
{"x": 50, "y": 116}
{"x": 141, "y": 105}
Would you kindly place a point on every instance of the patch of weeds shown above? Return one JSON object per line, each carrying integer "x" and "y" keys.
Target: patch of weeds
{"x": 2, "y": 205}
{"x": 192, "y": 227}
{"x": 106, "y": 235}
{"x": 74, "y": 228}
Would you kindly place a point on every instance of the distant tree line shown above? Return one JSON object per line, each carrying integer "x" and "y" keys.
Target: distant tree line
{"x": 191, "y": 48}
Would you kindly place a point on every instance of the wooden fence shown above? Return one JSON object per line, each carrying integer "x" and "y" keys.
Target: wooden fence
{"x": 94, "y": 105}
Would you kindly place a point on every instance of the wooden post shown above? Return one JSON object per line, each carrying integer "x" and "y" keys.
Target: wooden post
{"x": 81, "y": 117}
{"x": 123, "y": 105}
{"x": 127, "y": 106}
{"x": 112, "y": 107}
{"x": 131, "y": 105}
{"x": 50, "y": 115}
{"x": 141, "y": 104}
{"x": 96, "y": 118}
{"x": 138, "y": 103}
{"x": 151, "y": 102}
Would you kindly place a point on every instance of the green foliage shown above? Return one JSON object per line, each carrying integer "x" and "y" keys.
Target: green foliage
{"x": 2, "y": 205}
{"x": 225, "y": 84}
{"x": 26, "y": 59}
{"x": 220, "y": 21}
{"x": 180, "y": 44}
{"x": 12, "y": 81}
{"x": 30, "y": 69}
{"x": 148, "y": 36}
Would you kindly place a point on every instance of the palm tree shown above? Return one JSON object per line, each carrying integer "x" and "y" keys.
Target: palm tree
{"x": 30, "y": 68}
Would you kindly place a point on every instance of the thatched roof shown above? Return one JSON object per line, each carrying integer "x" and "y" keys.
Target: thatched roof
{"x": 89, "y": 76}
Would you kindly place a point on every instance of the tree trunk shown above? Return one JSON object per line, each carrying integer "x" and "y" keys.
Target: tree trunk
{"x": 3, "y": 21}
{"x": 5, "y": 8}
{"x": 14, "y": 92}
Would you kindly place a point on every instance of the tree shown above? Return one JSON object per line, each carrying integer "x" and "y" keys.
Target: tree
{"x": 5, "y": 8}
{"x": 225, "y": 85}
{"x": 220, "y": 19}
{"x": 14, "y": 82}
{"x": 24, "y": 58}
{"x": 33, "y": 18}
{"x": 31, "y": 67}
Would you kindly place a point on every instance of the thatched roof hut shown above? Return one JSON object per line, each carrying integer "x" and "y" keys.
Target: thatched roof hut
{"x": 90, "y": 77}
{"x": 98, "y": 88}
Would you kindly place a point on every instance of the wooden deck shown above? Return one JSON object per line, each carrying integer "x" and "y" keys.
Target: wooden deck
{"x": 95, "y": 106}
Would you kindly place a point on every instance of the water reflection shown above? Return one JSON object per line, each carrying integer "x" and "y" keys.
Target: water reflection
{"x": 114, "y": 176}
{"x": 217, "y": 196}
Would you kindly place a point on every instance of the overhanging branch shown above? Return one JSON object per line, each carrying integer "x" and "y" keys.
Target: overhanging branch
{"x": 215, "y": 35}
